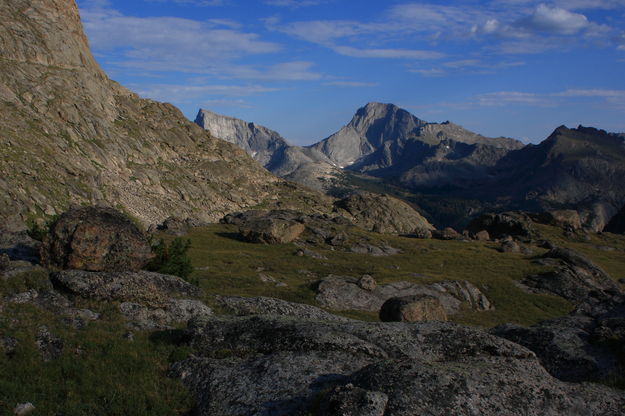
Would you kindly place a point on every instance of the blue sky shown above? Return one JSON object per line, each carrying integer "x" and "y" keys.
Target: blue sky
{"x": 516, "y": 68}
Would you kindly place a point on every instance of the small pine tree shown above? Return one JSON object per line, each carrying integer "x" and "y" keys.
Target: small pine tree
{"x": 172, "y": 258}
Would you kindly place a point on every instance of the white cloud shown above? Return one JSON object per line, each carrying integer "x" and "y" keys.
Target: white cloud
{"x": 501, "y": 98}
{"x": 432, "y": 72}
{"x": 613, "y": 98}
{"x": 554, "y": 20}
{"x": 158, "y": 44}
{"x": 353, "y": 84}
{"x": 387, "y": 53}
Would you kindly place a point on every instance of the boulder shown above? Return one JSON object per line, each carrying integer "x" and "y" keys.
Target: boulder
{"x": 574, "y": 348}
{"x": 510, "y": 246}
{"x": 412, "y": 309}
{"x": 153, "y": 289}
{"x": 95, "y": 239}
{"x": 575, "y": 278}
{"x": 422, "y": 233}
{"x": 381, "y": 213}
{"x": 177, "y": 226}
{"x": 367, "y": 282}
{"x": 290, "y": 366}
{"x": 19, "y": 246}
{"x": 516, "y": 224}
{"x": 346, "y": 293}
{"x": 271, "y": 231}
{"x": 564, "y": 218}
{"x": 447, "y": 234}
{"x": 482, "y": 236}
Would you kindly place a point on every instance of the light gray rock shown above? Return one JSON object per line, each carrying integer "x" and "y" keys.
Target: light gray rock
{"x": 286, "y": 366}
{"x": 243, "y": 306}
{"x": 49, "y": 345}
{"x": 23, "y": 409}
{"x": 345, "y": 293}
{"x": 144, "y": 287}
{"x": 174, "y": 311}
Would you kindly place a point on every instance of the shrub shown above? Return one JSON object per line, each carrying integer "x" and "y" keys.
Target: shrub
{"x": 172, "y": 258}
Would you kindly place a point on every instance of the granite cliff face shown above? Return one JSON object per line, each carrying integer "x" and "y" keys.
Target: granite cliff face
{"x": 304, "y": 165}
{"x": 69, "y": 135}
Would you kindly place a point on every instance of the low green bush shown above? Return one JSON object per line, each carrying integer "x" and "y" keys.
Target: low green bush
{"x": 172, "y": 258}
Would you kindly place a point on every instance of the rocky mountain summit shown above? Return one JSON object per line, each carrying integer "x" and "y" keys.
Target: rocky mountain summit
{"x": 69, "y": 135}
{"x": 299, "y": 164}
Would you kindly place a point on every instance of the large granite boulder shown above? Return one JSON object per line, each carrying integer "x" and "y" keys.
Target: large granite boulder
{"x": 515, "y": 224}
{"x": 382, "y": 214}
{"x": 260, "y": 305}
{"x": 271, "y": 231}
{"x": 412, "y": 309}
{"x": 575, "y": 278}
{"x": 284, "y": 366}
{"x": 95, "y": 239}
{"x": 347, "y": 293}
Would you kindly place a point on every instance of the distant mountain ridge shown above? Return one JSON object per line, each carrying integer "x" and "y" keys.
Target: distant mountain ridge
{"x": 573, "y": 168}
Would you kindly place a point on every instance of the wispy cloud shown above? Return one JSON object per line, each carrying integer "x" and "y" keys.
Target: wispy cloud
{"x": 350, "y": 84}
{"x": 190, "y": 93}
{"x": 615, "y": 98}
{"x": 162, "y": 44}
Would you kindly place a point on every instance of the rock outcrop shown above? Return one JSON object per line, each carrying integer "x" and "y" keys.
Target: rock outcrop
{"x": 413, "y": 309}
{"x": 95, "y": 239}
{"x": 513, "y": 224}
{"x": 346, "y": 293}
{"x": 243, "y": 306}
{"x": 286, "y": 366}
{"x": 575, "y": 278}
{"x": 381, "y": 213}
{"x": 72, "y": 136}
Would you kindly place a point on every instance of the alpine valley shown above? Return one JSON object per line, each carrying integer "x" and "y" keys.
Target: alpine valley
{"x": 154, "y": 266}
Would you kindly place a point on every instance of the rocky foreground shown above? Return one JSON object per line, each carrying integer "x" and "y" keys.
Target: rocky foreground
{"x": 266, "y": 356}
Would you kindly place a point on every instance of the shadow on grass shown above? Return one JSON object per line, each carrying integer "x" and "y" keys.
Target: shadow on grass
{"x": 230, "y": 236}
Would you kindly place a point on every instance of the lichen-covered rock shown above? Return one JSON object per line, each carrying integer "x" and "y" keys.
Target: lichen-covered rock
{"x": 412, "y": 309}
{"x": 290, "y": 366}
{"x": 353, "y": 401}
{"x": 271, "y": 231}
{"x": 381, "y": 213}
{"x": 346, "y": 293}
{"x": 96, "y": 239}
{"x": 261, "y": 305}
{"x": 49, "y": 345}
{"x": 144, "y": 287}
{"x": 576, "y": 278}
{"x": 142, "y": 317}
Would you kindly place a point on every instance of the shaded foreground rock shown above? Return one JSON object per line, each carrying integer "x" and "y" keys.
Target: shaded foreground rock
{"x": 283, "y": 366}
{"x": 261, "y": 305}
{"x": 412, "y": 308}
{"x": 382, "y": 214}
{"x": 345, "y": 293}
{"x": 95, "y": 239}
{"x": 271, "y": 231}
{"x": 576, "y": 278}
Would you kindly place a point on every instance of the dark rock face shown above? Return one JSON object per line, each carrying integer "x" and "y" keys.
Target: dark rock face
{"x": 412, "y": 309}
{"x": 617, "y": 223}
{"x": 382, "y": 213}
{"x": 19, "y": 246}
{"x": 95, "y": 239}
{"x": 144, "y": 287}
{"x": 515, "y": 224}
{"x": 564, "y": 218}
{"x": 281, "y": 366}
{"x": 576, "y": 278}
{"x": 345, "y": 293}
{"x": 574, "y": 348}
